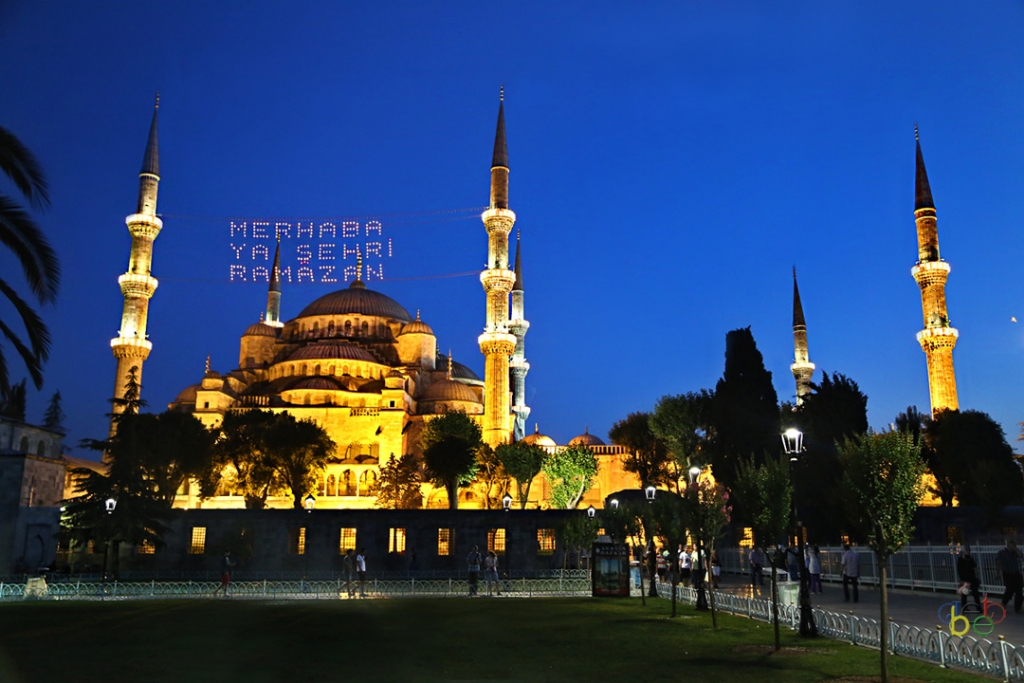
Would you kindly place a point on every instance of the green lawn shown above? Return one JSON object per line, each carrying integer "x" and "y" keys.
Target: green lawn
{"x": 410, "y": 640}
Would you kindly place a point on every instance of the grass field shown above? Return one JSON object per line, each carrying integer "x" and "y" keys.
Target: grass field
{"x": 411, "y": 640}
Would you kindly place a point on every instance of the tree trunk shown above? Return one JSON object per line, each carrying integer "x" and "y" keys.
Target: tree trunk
{"x": 453, "y": 494}
{"x": 711, "y": 588}
{"x": 775, "y": 600}
{"x": 883, "y": 630}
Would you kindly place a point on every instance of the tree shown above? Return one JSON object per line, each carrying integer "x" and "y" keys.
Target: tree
{"x": 708, "y": 511}
{"x": 911, "y": 421}
{"x": 494, "y": 480}
{"x": 53, "y": 418}
{"x": 646, "y": 454}
{"x": 522, "y": 461}
{"x": 882, "y": 480}
{"x": 20, "y": 234}
{"x": 450, "y": 442}
{"x": 570, "y": 473}
{"x": 298, "y": 449}
{"x": 968, "y": 455}
{"x": 745, "y": 408}
{"x": 766, "y": 492}
{"x": 683, "y": 423}
{"x": 398, "y": 486}
{"x": 12, "y": 401}
{"x": 577, "y": 533}
{"x": 242, "y": 446}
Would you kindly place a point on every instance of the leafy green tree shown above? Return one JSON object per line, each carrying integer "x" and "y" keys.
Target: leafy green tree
{"x": 570, "y": 473}
{"x": 53, "y": 418}
{"x": 646, "y": 455}
{"x": 766, "y": 493}
{"x": 450, "y": 442}
{"x": 522, "y": 461}
{"x": 666, "y": 517}
{"x": 683, "y": 423}
{"x": 911, "y": 421}
{"x": 882, "y": 480}
{"x": 968, "y": 454}
{"x": 398, "y": 486}
{"x": 745, "y": 408}
{"x": 299, "y": 449}
{"x": 708, "y": 511}
{"x": 577, "y": 533}
{"x": 243, "y": 447}
{"x": 12, "y": 401}
{"x": 38, "y": 262}
{"x": 494, "y": 480}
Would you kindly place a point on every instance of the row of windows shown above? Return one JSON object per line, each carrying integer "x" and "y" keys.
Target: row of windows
{"x": 347, "y": 539}
{"x": 347, "y": 484}
{"x": 300, "y": 370}
{"x": 346, "y": 330}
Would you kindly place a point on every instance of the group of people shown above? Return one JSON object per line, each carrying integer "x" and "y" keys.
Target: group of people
{"x": 490, "y": 567}
{"x": 354, "y": 568}
{"x": 789, "y": 559}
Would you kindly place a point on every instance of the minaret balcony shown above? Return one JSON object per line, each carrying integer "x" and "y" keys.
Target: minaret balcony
{"x": 937, "y": 337}
{"x": 131, "y": 347}
{"x": 135, "y": 285}
{"x": 519, "y": 364}
{"x": 498, "y": 280}
{"x": 143, "y": 225}
{"x": 930, "y": 272}
{"x": 496, "y": 343}
{"x": 499, "y": 216}
{"x": 802, "y": 367}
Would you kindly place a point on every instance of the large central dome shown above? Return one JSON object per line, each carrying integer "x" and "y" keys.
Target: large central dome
{"x": 357, "y": 300}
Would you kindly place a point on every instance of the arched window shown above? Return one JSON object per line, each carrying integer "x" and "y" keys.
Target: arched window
{"x": 321, "y": 486}
{"x": 330, "y": 329}
{"x": 366, "y": 482}
{"x": 348, "y": 328}
{"x": 316, "y": 369}
{"x": 302, "y": 369}
{"x": 41, "y": 449}
{"x": 24, "y": 444}
{"x": 382, "y": 330}
{"x": 331, "y": 490}
{"x": 305, "y": 400}
{"x": 344, "y": 370}
{"x": 366, "y": 328}
{"x": 347, "y": 484}
{"x": 316, "y": 326}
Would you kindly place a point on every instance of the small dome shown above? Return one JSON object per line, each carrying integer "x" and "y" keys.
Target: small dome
{"x": 538, "y": 439}
{"x": 188, "y": 394}
{"x": 357, "y": 300}
{"x": 260, "y": 329}
{"x": 331, "y": 350}
{"x": 449, "y": 390}
{"x": 416, "y": 327}
{"x": 395, "y": 373}
{"x": 459, "y": 371}
{"x": 319, "y": 383}
{"x": 586, "y": 439}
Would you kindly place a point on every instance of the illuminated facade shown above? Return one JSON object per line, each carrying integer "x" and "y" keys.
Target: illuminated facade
{"x": 802, "y": 367}
{"x": 131, "y": 346}
{"x": 938, "y": 338}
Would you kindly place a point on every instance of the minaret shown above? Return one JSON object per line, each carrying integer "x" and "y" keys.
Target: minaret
{"x": 518, "y": 326}
{"x": 802, "y": 367}
{"x": 273, "y": 317}
{"x": 496, "y": 343}
{"x": 130, "y": 346}
{"x": 938, "y": 338}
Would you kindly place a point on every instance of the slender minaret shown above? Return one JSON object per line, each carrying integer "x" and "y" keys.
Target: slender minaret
{"x": 496, "y": 343}
{"x": 802, "y": 367}
{"x": 938, "y": 338}
{"x": 273, "y": 317}
{"x": 130, "y": 346}
{"x": 518, "y": 326}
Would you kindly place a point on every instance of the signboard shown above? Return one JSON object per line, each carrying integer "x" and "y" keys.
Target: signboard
{"x": 610, "y": 574}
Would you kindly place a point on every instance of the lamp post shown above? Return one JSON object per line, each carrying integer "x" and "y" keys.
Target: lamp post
{"x": 109, "y": 504}
{"x": 591, "y": 512}
{"x": 310, "y": 502}
{"x": 649, "y": 492}
{"x": 506, "y": 502}
{"x": 652, "y": 552}
{"x": 702, "y": 597}
{"x": 793, "y": 445}
{"x": 614, "y": 502}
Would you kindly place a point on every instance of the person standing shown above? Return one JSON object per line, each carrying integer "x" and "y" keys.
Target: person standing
{"x": 967, "y": 571}
{"x": 348, "y": 566}
{"x": 756, "y": 558}
{"x": 684, "y": 565}
{"x": 813, "y": 559}
{"x": 225, "y": 574}
{"x": 361, "y": 571}
{"x": 1008, "y": 562}
{"x": 716, "y": 569}
{"x": 473, "y": 561}
{"x": 851, "y": 573}
{"x": 491, "y": 572}
{"x": 793, "y": 563}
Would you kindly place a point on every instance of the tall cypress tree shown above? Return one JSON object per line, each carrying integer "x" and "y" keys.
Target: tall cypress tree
{"x": 745, "y": 409}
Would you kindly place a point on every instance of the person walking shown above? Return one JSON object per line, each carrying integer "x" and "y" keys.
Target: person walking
{"x": 1008, "y": 561}
{"x": 851, "y": 573}
{"x": 361, "y": 571}
{"x": 225, "y": 574}
{"x": 491, "y": 572}
{"x": 473, "y": 561}
{"x": 716, "y": 569}
{"x": 684, "y": 564}
{"x": 756, "y": 558}
{"x": 967, "y": 571}
{"x": 793, "y": 563}
{"x": 813, "y": 559}
{"x": 348, "y": 566}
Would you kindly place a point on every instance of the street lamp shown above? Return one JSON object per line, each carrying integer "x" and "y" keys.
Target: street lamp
{"x": 614, "y": 502}
{"x": 793, "y": 445}
{"x": 649, "y": 492}
{"x": 506, "y": 502}
{"x": 700, "y": 566}
{"x": 694, "y": 473}
{"x": 110, "y": 504}
{"x": 591, "y": 512}
{"x": 310, "y": 502}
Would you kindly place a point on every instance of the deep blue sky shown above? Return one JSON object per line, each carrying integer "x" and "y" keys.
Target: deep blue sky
{"x": 670, "y": 164}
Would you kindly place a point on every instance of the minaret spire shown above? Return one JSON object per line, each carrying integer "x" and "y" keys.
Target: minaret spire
{"x": 518, "y": 366}
{"x": 131, "y": 346}
{"x": 802, "y": 367}
{"x": 273, "y": 317}
{"x": 496, "y": 343}
{"x": 938, "y": 338}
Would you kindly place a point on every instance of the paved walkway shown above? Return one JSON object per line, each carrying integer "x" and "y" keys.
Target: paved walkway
{"x": 912, "y": 608}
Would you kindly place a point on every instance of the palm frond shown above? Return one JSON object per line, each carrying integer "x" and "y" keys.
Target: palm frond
{"x": 20, "y": 234}
{"x": 21, "y": 166}
{"x": 32, "y": 363}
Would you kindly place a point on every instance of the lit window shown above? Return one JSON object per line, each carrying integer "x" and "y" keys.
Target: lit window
{"x": 90, "y": 547}
{"x": 347, "y": 540}
{"x": 396, "y": 541}
{"x": 444, "y": 542}
{"x": 954, "y": 535}
{"x": 844, "y": 539}
{"x": 746, "y": 537}
{"x": 146, "y": 548}
{"x": 545, "y": 541}
{"x": 496, "y": 541}
{"x": 297, "y": 541}
{"x": 198, "y": 546}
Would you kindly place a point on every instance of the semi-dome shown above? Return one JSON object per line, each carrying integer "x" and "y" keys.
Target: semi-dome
{"x": 417, "y": 326}
{"x": 459, "y": 371}
{"x": 586, "y": 439}
{"x": 449, "y": 390}
{"x": 328, "y": 350}
{"x": 357, "y": 301}
{"x": 188, "y": 394}
{"x": 260, "y": 329}
{"x": 538, "y": 439}
{"x": 318, "y": 383}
